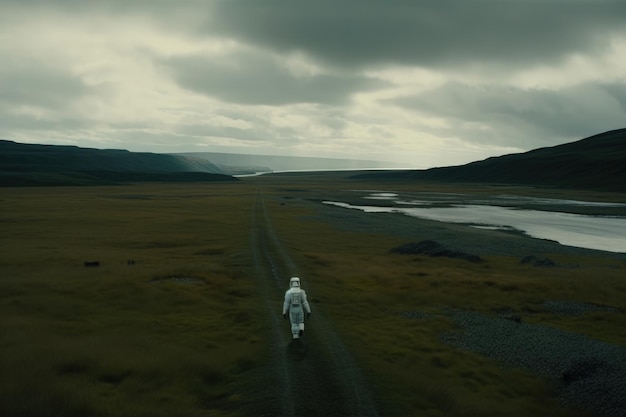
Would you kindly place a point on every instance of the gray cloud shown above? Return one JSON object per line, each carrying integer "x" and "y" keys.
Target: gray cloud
{"x": 426, "y": 33}
{"x": 618, "y": 92}
{"x": 287, "y": 75}
{"x": 204, "y": 130}
{"x": 257, "y": 78}
{"x": 532, "y": 117}
{"x": 362, "y": 33}
{"x": 35, "y": 98}
{"x": 24, "y": 122}
{"x": 163, "y": 8}
{"x": 34, "y": 84}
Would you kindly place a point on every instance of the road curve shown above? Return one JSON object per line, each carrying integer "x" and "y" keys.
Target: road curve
{"x": 316, "y": 376}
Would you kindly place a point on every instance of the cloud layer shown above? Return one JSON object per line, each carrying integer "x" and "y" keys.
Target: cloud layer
{"x": 425, "y": 83}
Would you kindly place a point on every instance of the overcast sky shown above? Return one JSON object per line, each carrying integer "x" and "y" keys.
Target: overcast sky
{"x": 423, "y": 83}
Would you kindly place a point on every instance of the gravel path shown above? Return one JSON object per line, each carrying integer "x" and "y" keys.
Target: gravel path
{"x": 316, "y": 376}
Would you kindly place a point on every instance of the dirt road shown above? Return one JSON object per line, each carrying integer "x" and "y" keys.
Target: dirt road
{"x": 315, "y": 376}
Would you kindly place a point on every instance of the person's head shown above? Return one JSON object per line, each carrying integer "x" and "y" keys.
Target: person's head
{"x": 294, "y": 282}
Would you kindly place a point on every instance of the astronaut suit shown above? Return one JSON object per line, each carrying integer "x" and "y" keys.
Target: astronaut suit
{"x": 295, "y": 306}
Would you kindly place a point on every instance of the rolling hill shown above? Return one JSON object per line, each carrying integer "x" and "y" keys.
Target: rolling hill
{"x": 31, "y": 165}
{"x": 597, "y": 162}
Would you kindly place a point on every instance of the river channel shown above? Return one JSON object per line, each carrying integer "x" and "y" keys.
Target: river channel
{"x": 602, "y": 226}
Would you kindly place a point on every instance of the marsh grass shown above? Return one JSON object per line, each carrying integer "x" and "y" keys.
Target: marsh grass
{"x": 169, "y": 323}
{"x": 391, "y": 310}
{"x": 161, "y": 327}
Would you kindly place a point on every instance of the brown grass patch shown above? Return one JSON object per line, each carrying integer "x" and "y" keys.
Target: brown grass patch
{"x": 161, "y": 327}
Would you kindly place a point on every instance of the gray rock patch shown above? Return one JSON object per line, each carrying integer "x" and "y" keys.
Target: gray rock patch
{"x": 586, "y": 372}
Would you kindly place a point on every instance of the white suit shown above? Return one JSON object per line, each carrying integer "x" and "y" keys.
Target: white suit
{"x": 295, "y": 305}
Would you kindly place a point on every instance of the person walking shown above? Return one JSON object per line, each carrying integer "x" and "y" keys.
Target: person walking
{"x": 295, "y": 306}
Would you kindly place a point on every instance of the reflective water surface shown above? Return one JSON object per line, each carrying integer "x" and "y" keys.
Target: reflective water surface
{"x": 524, "y": 214}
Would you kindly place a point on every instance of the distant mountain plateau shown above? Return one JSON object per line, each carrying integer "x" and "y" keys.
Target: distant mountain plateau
{"x": 41, "y": 165}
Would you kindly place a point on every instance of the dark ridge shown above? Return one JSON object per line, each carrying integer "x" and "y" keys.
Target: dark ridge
{"x": 597, "y": 162}
{"x": 44, "y": 165}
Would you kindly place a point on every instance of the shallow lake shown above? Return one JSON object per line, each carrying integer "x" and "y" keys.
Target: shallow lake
{"x": 537, "y": 217}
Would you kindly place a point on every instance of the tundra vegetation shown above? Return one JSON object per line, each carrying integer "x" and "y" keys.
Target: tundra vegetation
{"x": 170, "y": 322}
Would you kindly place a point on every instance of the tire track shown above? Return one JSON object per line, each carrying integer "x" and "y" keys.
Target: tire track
{"x": 315, "y": 376}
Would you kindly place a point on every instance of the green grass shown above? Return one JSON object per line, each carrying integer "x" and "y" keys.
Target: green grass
{"x": 180, "y": 331}
{"x": 169, "y": 334}
{"x": 367, "y": 290}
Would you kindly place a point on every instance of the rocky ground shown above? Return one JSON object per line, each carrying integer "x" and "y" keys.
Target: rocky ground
{"x": 586, "y": 372}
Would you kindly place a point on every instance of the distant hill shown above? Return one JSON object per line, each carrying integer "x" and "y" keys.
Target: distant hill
{"x": 597, "y": 162}
{"x": 237, "y": 164}
{"x": 30, "y": 164}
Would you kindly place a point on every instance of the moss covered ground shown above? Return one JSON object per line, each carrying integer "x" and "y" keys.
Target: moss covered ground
{"x": 161, "y": 327}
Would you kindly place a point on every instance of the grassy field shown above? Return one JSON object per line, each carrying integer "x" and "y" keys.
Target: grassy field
{"x": 161, "y": 327}
{"x": 169, "y": 324}
{"x": 373, "y": 295}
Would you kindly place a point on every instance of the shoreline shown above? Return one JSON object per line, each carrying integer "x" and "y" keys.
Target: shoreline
{"x": 456, "y": 236}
